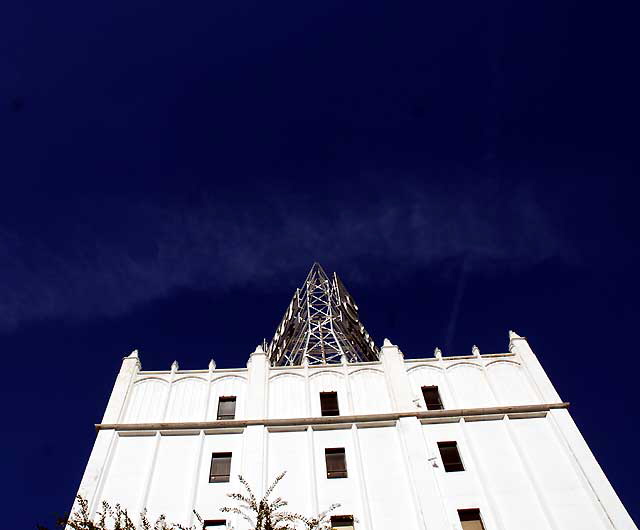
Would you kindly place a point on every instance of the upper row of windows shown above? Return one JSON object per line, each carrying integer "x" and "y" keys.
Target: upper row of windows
{"x": 328, "y": 403}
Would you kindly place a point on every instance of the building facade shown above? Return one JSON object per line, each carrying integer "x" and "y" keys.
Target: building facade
{"x": 440, "y": 443}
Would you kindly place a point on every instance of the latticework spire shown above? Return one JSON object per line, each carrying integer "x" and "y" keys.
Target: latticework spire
{"x": 321, "y": 325}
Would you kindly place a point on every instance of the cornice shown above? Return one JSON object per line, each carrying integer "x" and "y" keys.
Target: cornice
{"x": 329, "y": 421}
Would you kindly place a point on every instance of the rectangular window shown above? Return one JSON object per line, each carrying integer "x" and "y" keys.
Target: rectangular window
{"x": 216, "y": 523}
{"x": 220, "y": 467}
{"x": 450, "y": 456}
{"x": 344, "y": 522}
{"x": 470, "y": 519}
{"x": 336, "y": 463}
{"x": 227, "y": 408}
{"x": 329, "y": 404}
{"x": 432, "y": 398}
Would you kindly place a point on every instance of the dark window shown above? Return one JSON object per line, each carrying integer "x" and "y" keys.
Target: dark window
{"x": 336, "y": 463}
{"x": 342, "y": 521}
{"x": 470, "y": 519}
{"x": 450, "y": 456}
{"x": 227, "y": 408}
{"x": 217, "y": 523}
{"x": 329, "y": 404}
{"x": 220, "y": 467}
{"x": 432, "y": 398}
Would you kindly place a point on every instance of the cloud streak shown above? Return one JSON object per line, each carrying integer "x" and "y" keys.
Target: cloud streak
{"x": 143, "y": 250}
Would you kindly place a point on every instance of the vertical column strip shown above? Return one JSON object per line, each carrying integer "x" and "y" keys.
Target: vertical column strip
{"x": 429, "y": 444}
{"x": 314, "y": 484}
{"x": 450, "y": 389}
{"x": 196, "y": 472}
{"x": 362, "y": 483}
{"x": 113, "y": 443}
{"x": 149, "y": 474}
{"x": 347, "y": 384}
{"x": 266, "y": 479}
{"x": 415, "y": 500}
{"x": 537, "y": 488}
{"x": 579, "y": 470}
{"x": 481, "y": 475}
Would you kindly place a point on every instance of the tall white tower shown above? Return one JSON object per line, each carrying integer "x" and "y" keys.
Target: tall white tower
{"x": 479, "y": 441}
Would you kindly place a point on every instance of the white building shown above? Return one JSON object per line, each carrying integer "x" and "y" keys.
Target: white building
{"x": 475, "y": 441}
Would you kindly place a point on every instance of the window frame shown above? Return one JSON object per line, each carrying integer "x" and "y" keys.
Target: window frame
{"x": 471, "y": 512}
{"x": 342, "y": 519}
{"x": 226, "y": 399}
{"x": 337, "y": 473}
{"x": 434, "y": 388}
{"x": 326, "y": 411}
{"x": 214, "y": 523}
{"x": 219, "y": 477}
{"x": 448, "y": 446}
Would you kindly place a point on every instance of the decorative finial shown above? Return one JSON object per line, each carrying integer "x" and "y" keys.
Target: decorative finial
{"x": 343, "y": 359}
{"x": 475, "y": 351}
{"x": 134, "y": 354}
{"x": 386, "y": 342}
{"x": 174, "y": 366}
{"x": 259, "y": 350}
{"x": 437, "y": 353}
{"x": 212, "y": 365}
{"x": 512, "y": 337}
{"x": 305, "y": 361}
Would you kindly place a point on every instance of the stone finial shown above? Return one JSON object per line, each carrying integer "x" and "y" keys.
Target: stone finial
{"x": 174, "y": 366}
{"x": 513, "y": 335}
{"x": 437, "y": 353}
{"x": 305, "y": 361}
{"x": 212, "y": 365}
{"x": 386, "y": 343}
{"x": 134, "y": 355}
{"x": 259, "y": 350}
{"x": 343, "y": 359}
{"x": 475, "y": 351}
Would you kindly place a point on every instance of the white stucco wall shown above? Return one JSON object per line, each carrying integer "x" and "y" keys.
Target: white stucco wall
{"x": 525, "y": 468}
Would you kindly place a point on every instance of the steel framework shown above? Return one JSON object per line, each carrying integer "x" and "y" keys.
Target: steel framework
{"x": 321, "y": 326}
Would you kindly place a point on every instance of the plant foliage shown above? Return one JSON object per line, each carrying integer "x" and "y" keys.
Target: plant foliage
{"x": 263, "y": 514}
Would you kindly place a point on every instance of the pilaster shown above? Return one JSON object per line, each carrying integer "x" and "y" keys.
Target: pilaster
{"x": 128, "y": 372}
{"x": 258, "y": 366}
{"x": 602, "y": 492}
{"x": 254, "y": 445}
{"x": 397, "y": 378}
{"x": 424, "y": 487}
{"x": 520, "y": 346}
{"x": 98, "y": 461}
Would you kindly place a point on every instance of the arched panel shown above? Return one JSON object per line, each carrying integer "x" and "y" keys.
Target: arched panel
{"x": 328, "y": 381}
{"x": 147, "y": 401}
{"x": 470, "y": 386}
{"x": 369, "y": 392}
{"x": 188, "y": 400}
{"x": 429, "y": 376}
{"x": 227, "y": 387}
{"x": 287, "y": 397}
{"x": 511, "y": 384}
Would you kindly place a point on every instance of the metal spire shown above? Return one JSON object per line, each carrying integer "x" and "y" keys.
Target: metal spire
{"x": 321, "y": 325}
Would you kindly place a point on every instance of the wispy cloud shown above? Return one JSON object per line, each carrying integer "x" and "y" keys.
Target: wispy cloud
{"x": 142, "y": 250}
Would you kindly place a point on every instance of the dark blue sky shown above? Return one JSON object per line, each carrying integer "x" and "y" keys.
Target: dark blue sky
{"x": 170, "y": 173}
